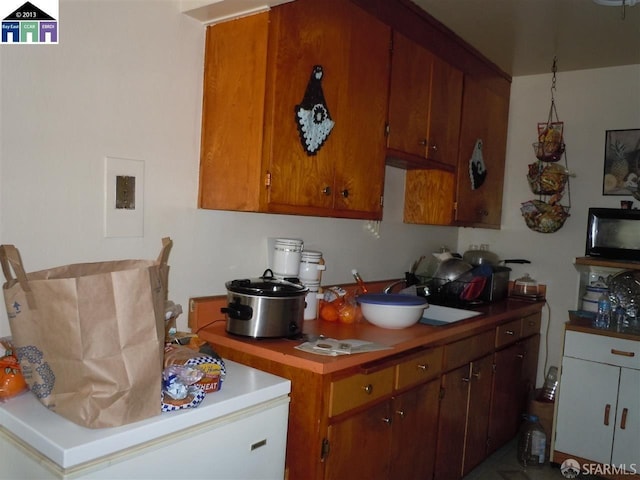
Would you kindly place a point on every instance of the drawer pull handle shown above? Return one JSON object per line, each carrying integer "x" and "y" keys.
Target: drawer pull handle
{"x": 423, "y": 366}
{"x": 368, "y": 389}
{"x": 623, "y": 353}
{"x": 520, "y": 356}
{"x": 259, "y": 444}
{"x": 607, "y": 410}
{"x": 386, "y": 420}
{"x": 400, "y": 413}
{"x": 466, "y": 379}
{"x": 509, "y": 332}
{"x": 623, "y": 420}
{"x": 476, "y": 374}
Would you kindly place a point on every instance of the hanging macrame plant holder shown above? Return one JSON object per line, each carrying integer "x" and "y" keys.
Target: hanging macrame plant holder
{"x": 548, "y": 177}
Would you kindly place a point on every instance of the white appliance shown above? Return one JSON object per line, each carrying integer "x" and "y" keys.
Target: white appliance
{"x": 238, "y": 432}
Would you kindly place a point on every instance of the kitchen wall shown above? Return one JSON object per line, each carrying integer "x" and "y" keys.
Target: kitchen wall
{"x": 589, "y": 102}
{"x": 126, "y": 82}
{"x": 137, "y": 94}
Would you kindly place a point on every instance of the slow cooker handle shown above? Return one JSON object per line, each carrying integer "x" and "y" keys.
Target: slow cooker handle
{"x": 238, "y": 311}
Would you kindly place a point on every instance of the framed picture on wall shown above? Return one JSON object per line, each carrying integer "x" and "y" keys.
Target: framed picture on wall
{"x": 621, "y": 162}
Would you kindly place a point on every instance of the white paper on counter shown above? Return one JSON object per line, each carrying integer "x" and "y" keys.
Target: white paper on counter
{"x": 332, "y": 347}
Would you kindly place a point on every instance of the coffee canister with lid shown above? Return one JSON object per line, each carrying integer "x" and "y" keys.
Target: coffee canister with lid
{"x": 286, "y": 256}
{"x": 311, "y": 266}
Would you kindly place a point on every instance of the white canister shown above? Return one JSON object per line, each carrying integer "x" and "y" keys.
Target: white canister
{"x": 312, "y": 299}
{"x": 286, "y": 256}
{"x": 311, "y": 266}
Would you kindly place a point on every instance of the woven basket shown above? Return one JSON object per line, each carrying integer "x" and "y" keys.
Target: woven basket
{"x": 542, "y": 217}
{"x": 547, "y": 179}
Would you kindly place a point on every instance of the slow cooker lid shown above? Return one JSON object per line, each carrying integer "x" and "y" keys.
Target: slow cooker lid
{"x": 266, "y": 286}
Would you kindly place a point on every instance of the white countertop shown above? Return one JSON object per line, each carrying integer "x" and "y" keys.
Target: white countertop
{"x": 68, "y": 444}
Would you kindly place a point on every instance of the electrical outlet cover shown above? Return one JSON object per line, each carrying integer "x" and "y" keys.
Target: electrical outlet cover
{"x": 119, "y": 221}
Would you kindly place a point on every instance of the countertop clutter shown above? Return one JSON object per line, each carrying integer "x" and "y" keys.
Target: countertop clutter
{"x": 237, "y": 432}
{"x": 416, "y": 409}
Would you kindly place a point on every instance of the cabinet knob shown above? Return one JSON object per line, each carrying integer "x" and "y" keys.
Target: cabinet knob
{"x": 423, "y": 366}
{"x": 345, "y": 193}
{"x": 326, "y": 190}
{"x": 466, "y": 379}
{"x": 482, "y": 212}
{"x": 386, "y": 420}
{"x": 368, "y": 389}
{"x": 509, "y": 332}
{"x": 423, "y": 142}
{"x": 400, "y": 413}
{"x": 433, "y": 148}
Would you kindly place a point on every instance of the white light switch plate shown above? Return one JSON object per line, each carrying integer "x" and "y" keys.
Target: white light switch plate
{"x": 123, "y": 222}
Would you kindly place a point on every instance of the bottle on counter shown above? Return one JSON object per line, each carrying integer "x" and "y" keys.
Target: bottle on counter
{"x": 603, "y": 317}
{"x": 550, "y": 386}
{"x": 532, "y": 443}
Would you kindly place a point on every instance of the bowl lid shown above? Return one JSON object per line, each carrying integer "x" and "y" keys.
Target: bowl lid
{"x": 396, "y": 299}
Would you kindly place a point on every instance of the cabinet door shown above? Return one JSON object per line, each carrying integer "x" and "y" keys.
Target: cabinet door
{"x": 587, "y": 409}
{"x": 452, "y": 422}
{"x": 360, "y": 126}
{"x": 484, "y": 117}
{"x": 346, "y": 174}
{"x": 478, "y": 413}
{"x": 444, "y": 112}
{"x": 409, "y": 97}
{"x": 627, "y": 436}
{"x": 235, "y": 70}
{"x": 415, "y": 422}
{"x": 429, "y": 197}
{"x": 506, "y": 406}
{"x": 360, "y": 445}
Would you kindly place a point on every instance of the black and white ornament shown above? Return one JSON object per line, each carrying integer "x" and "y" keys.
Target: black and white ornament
{"x": 312, "y": 115}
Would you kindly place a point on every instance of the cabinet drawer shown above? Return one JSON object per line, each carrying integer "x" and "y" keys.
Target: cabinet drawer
{"x": 602, "y": 349}
{"x": 463, "y": 351}
{"x": 508, "y": 332}
{"x": 359, "y": 389}
{"x": 531, "y": 325}
{"x": 419, "y": 367}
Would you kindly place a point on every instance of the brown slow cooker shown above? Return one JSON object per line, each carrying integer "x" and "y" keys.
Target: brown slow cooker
{"x": 265, "y": 307}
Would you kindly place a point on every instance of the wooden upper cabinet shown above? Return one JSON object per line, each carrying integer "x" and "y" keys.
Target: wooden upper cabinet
{"x": 485, "y": 114}
{"x": 257, "y": 71}
{"x": 424, "y": 107}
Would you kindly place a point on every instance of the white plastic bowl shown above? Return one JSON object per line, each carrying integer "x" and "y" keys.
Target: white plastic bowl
{"x": 393, "y": 311}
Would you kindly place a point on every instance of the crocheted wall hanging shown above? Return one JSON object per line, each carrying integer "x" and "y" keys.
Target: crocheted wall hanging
{"x": 312, "y": 115}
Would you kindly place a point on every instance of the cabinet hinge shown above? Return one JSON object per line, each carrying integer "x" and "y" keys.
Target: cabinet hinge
{"x": 455, "y": 206}
{"x": 493, "y": 368}
{"x": 324, "y": 450}
{"x": 382, "y": 200}
{"x": 387, "y": 129}
{"x": 442, "y": 392}
{"x": 267, "y": 180}
{"x": 192, "y": 305}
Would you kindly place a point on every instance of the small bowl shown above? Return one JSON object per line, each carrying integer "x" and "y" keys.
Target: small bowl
{"x": 392, "y": 310}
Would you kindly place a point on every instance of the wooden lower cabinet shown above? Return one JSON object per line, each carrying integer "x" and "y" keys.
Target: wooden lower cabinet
{"x": 462, "y": 430}
{"x": 515, "y": 369}
{"x": 391, "y": 440}
{"x": 429, "y": 412}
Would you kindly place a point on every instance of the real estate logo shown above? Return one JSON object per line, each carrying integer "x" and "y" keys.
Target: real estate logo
{"x": 29, "y": 23}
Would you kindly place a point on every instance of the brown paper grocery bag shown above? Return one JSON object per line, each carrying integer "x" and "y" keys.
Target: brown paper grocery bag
{"x": 90, "y": 336}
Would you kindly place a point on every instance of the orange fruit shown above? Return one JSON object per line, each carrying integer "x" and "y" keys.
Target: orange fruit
{"x": 329, "y": 313}
{"x": 347, "y": 314}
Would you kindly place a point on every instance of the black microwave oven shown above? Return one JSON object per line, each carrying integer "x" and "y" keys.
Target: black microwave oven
{"x": 613, "y": 233}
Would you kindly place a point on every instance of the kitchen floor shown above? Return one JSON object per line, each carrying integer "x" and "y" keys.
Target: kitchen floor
{"x": 503, "y": 465}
